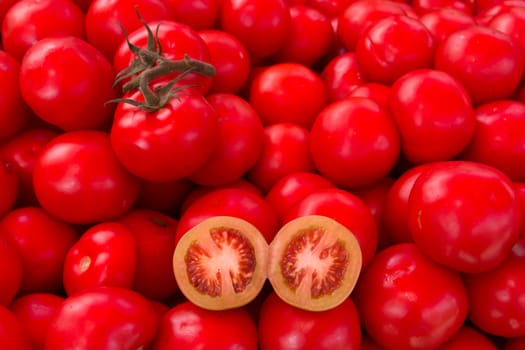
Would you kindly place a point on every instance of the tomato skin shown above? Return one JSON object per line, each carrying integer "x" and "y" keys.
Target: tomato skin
{"x": 11, "y": 271}
{"x": 35, "y": 312}
{"x": 165, "y": 197}
{"x": 341, "y": 75}
{"x": 240, "y": 141}
{"x": 384, "y": 54}
{"x": 516, "y": 343}
{"x": 431, "y": 130}
{"x": 67, "y": 179}
{"x": 186, "y": 326}
{"x": 500, "y": 68}
{"x": 104, "y": 255}
{"x": 346, "y": 208}
{"x": 504, "y": 317}
{"x": 497, "y": 140}
{"x": 21, "y": 152}
{"x": 282, "y": 326}
{"x": 465, "y": 215}
{"x": 105, "y": 318}
{"x": 104, "y": 21}
{"x": 445, "y": 21}
{"x": 416, "y": 297}
{"x": 9, "y": 186}
{"x": 261, "y": 25}
{"x": 230, "y": 58}
{"x": 201, "y": 14}
{"x": 80, "y": 78}
{"x": 28, "y": 21}
{"x": 379, "y": 93}
{"x": 168, "y": 144}
{"x": 12, "y": 333}
{"x": 231, "y": 201}
{"x": 348, "y": 158}
{"x": 422, "y": 7}
{"x": 14, "y": 112}
{"x": 285, "y": 150}
{"x": 468, "y": 338}
{"x": 42, "y": 242}
{"x": 154, "y": 235}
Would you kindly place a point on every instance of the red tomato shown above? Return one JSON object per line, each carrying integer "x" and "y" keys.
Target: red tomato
{"x": 107, "y": 22}
{"x": 379, "y": 93}
{"x": 285, "y": 150}
{"x": 468, "y": 338}
{"x": 445, "y": 21}
{"x": 35, "y": 312}
{"x": 341, "y": 75}
{"x": 11, "y": 271}
{"x": 347, "y": 209}
{"x": 42, "y": 243}
{"x": 175, "y": 40}
{"x": 238, "y": 202}
{"x": 28, "y": 21}
{"x": 430, "y": 129}
{"x": 12, "y": 333}
{"x": 287, "y": 93}
{"x": 331, "y": 8}
{"x": 21, "y": 151}
{"x": 464, "y": 55}
{"x": 67, "y": 81}
{"x": 348, "y": 158}
{"x": 311, "y": 36}
{"x": 495, "y": 296}
{"x": 168, "y": 144}
{"x": 240, "y": 141}
{"x": 14, "y": 112}
{"x": 154, "y": 234}
{"x": 9, "y": 186}
{"x": 103, "y": 318}
{"x": 187, "y": 326}
{"x": 465, "y": 215}
{"x": 261, "y": 25}
{"x": 230, "y": 58}
{"x": 198, "y": 14}
{"x": 165, "y": 197}
{"x": 282, "y": 326}
{"x": 498, "y": 140}
{"x": 384, "y": 54}
{"x": 424, "y": 6}
{"x": 78, "y": 179}
{"x": 292, "y": 188}
{"x": 105, "y": 255}
{"x": 422, "y": 302}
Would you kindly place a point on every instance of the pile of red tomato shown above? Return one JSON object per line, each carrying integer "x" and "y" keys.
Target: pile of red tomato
{"x": 402, "y": 120}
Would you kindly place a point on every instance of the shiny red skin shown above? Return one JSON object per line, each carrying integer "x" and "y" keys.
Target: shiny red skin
{"x": 154, "y": 235}
{"x": 9, "y": 186}
{"x": 28, "y": 21}
{"x": 104, "y": 255}
{"x": 187, "y": 326}
{"x": 379, "y": 93}
{"x": 282, "y": 326}
{"x": 35, "y": 312}
{"x": 497, "y": 140}
{"x": 468, "y": 338}
{"x": 501, "y": 67}
{"x": 11, "y": 271}
{"x": 445, "y": 21}
{"x": 287, "y": 92}
{"x": 104, "y": 318}
{"x": 346, "y": 208}
{"x": 68, "y": 173}
{"x": 12, "y": 332}
{"x": 341, "y": 75}
{"x": 42, "y": 242}
{"x": 465, "y": 215}
{"x": 422, "y": 302}
{"x": 495, "y": 295}
{"x": 352, "y": 159}
{"x": 200, "y": 14}
{"x": 286, "y": 149}
{"x": 384, "y": 54}
{"x": 430, "y": 129}
{"x": 422, "y": 7}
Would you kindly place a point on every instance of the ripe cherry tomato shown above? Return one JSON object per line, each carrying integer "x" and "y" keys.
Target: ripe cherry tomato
{"x": 78, "y": 179}
{"x": 9, "y": 186}
{"x": 200, "y": 14}
{"x": 105, "y": 255}
{"x": 187, "y": 326}
{"x": 285, "y": 150}
{"x": 66, "y": 81}
{"x": 465, "y": 215}
{"x": 11, "y": 271}
{"x": 351, "y": 158}
{"x": 422, "y": 7}
{"x": 341, "y": 75}
{"x": 282, "y": 326}
{"x": 422, "y": 302}
{"x": 12, "y": 332}
{"x": 42, "y": 242}
{"x": 468, "y": 338}
{"x": 28, "y": 21}
{"x": 430, "y": 129}
{"x": 379, "y": 93}
{"x": 445, "y": 21}
{"x": 103, "y": 318}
